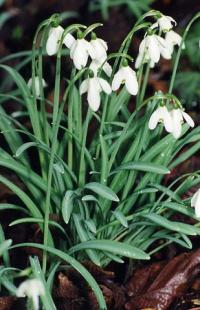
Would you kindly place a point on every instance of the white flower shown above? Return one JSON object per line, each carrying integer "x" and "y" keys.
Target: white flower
{"x": 128, "y": 76}
{"x": 151, "y": 47}
{"x": 80, "y": 51}
{"x": 94, "y": 86}
{"x": 100, "y": 47}
{"x": 195, "y": 202}
{"x": 161, "y": 115}
{"x": 96, "y": 64}
{"x": 172, "y": 38}
{"x": 54, "y": 38}
{"x": 32, "y": 289}
{"x": 178, "y": 117}
{"x": 166, "y": 23}
{"x": 37, "y": 85}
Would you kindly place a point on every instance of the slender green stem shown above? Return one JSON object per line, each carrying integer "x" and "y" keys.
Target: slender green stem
{"x": 144, "y": 85}
{"x": 70, "y": 128}
{"x": 179, "y": 52}
{"x": 82, "y": 161}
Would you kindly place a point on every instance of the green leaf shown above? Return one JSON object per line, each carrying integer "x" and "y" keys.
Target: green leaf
{"x": 24, "y": 147}
{"x": 102, "y": 190}
{"x": 171, "y": 225}
{"x": 67, "y": 205}
{"x": 114, "y": 247}
{"x": 142, "y": 166}
{"x": 4, "y": 246}
{"x": 121, "y": 218}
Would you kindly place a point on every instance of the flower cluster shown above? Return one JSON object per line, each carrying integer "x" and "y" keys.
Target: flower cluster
{"x": 159, "y": 41}
{"x": 172, "y": 119}
{"x": 153, "y": 45}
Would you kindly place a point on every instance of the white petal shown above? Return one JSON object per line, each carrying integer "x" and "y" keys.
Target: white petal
{"x": 107, "y": 69}
{"x": 84, "y": 87}
{"x": 138, "y": 61}
{"x": 194, "y": 198}
{"x": 90, "y": 49}
{"x": 93, "y": 96}
{"x": 68, "y": 40}
{"x": 167, "y": 119}
{"x": 173, "y": 38}
{"x": 177, "y": 122}
{"x": 153, "y": 49}
{"x": 99, "y": 48}
{"x": 35, "y": 299}
{"x": 130, "y": 80}
{"x": 195, "y": 202}
{"x": 154, "y": 119}
{"x": 105, "y": 86}
{"x": 188, "y": 119}
{"x": 80, "y": 55}
{"x": 165, "y": 23}
{"x": 54, "y": 37}
{"x": 117, "y": 80}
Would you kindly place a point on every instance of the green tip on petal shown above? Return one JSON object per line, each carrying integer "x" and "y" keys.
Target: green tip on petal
{"x": 125, "y": 62}
{"x": 55, "y": 20}
{"x": 90, "y": 73}
{"x": 79, "y": 34}
{"x": 93, "y": 36}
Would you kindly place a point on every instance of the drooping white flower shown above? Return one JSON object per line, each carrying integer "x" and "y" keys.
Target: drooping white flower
{"x": 151, "y": 47}
{"x": 166, "y": 23}
{"x": 32, "y": 289}
{"x": 80, "y": 50}
{"x": 172, "y": 38}
{"x": 100, "y": 47}
{"x": 94, "y": 86}
{"x": 96, "y": 64}
{"x": 161, "y": 115}
{"x": 195, "y": 202}
{"x": 125, "y": 75}
{"x": 178, "y": 117}
{"x": 37, "y": 85}
{"x": 54, "y": 38}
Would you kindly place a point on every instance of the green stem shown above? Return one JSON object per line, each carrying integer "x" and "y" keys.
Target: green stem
{"x": 82, "y": 161}
{"x": 179, "y": 52}
{"x": 144, "y": 85}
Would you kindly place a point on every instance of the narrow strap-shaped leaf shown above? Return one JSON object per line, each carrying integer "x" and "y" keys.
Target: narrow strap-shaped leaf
{"x": 114, "y": 247}
{"x": 102, "y": 190}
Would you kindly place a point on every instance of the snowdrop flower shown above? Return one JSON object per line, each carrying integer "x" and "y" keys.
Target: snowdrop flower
{"x": 161, "y": 115}
{"x": 37, "y": 85}
{"x": 94, "y": 85}
{"x": 195, "y": 202}
{"x": 178, "y": 116}
{"x": 100, "y": 47}
{"x": 80, "y": 50}
{"x": 96, "y": 64}
{"x": 125, "y": 75}
{"x": 151, "y": 47}
{"x": 32, "y": 289}
{"x": 53, "y": 41}
{"x": 172, "y": 38}
{"x": 166, "y": 23}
